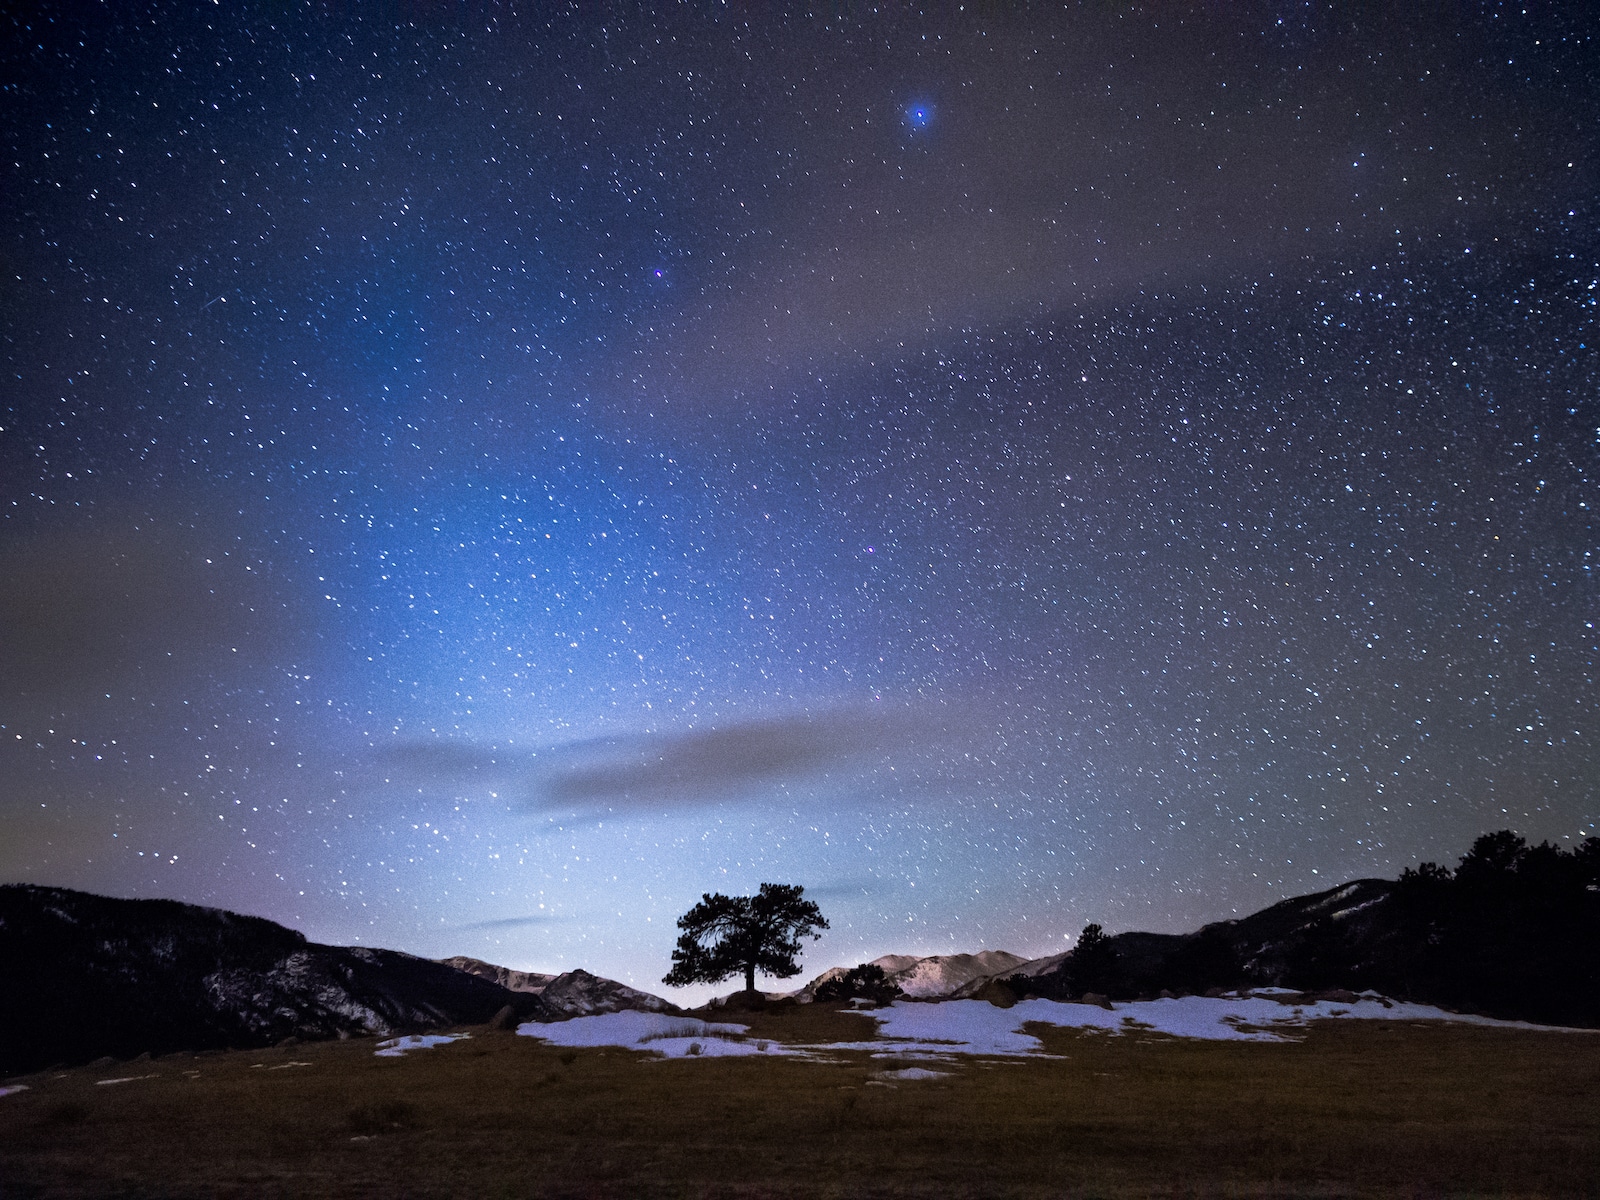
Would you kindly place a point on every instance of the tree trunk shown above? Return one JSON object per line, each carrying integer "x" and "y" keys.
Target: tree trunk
{"x": 749, "y": 977}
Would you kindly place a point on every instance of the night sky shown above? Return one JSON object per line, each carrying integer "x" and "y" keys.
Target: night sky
{"x": 474, "y": 478}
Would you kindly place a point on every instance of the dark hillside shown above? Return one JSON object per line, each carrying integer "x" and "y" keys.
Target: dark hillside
{"x": 1513, "y": 932}
{"x": 85, "y": 976}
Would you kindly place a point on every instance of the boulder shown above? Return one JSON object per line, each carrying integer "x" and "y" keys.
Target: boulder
{"x": 506, "y": 1018}
{"x": 997, "y": 993}
{"x": 1335, "y": 995}
{"x": 1095, "y": 998}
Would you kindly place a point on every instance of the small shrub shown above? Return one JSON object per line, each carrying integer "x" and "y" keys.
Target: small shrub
{"x": 68, "y": 1112}
{"x": 381, "y": 1117}
{"x": 865, "y": 981}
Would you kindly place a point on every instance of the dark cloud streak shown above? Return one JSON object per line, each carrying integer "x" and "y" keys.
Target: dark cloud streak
{"x": 721, "y": 763}
{"x": 666, "y": 771}
{"x": 155, "y": 607}
{"x": 506, "y": 923}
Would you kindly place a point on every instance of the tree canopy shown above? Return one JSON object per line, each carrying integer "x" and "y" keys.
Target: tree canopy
{"x": 865, "y": 981}
{"x": 1093, "y": 960}
{"x": 726, "y": 935}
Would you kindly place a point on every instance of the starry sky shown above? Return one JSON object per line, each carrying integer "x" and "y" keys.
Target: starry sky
{"x": 474, "y": 477}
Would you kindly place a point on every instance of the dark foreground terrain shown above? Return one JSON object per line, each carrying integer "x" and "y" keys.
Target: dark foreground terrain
{"x": 1358, "y": 1109}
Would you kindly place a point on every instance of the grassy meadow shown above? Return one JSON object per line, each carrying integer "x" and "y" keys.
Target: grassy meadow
{"x": 1357, "y": 1109}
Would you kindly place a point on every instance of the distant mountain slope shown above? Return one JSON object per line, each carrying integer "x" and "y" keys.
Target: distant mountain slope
{"x": 83, "y": 976}
{"x": 570, "y": 994}
{"x": 512, "y": 980}
{"x": 929, "y": 977}
{"x": 1513, "y": 932}
{"x": 580, "y": 994}
{"x": 942, "y": 974}
{"x": 1266, "y": 948}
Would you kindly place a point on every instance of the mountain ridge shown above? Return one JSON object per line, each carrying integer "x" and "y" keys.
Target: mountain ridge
{"x": 1510, "y": 933}
{"x": 87, "y": 976}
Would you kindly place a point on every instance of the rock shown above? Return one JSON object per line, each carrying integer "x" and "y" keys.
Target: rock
{"x": 1335, "y": 995}
{"x": 1095, "y": 998}
{"x": 996, "y": 993}
{"x": 1214, "y": 993}
{"x": 1168, "y": 994}
{"x": 506, "y": 1018}
{"x": 291, "y": 1040}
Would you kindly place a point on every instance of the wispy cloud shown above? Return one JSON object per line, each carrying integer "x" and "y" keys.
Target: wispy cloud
{"x": 88, "y": 609}
{"x": 725, "y": 761}
{"x": 507, "y": 923}
{"x": 852, "y": 888}
{"x": 667, "y": 770}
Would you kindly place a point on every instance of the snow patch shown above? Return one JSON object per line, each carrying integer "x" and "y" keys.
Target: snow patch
{"x": 16, "y": 1087}
{"x": 397, "y": 1047}
{"x": 674, "y": 1037}
{"x": 947, "y": 1029}
{"x": 911, "y": 1073}
{"x": 957, "y": 1027}
{"x": 974, "y": 1027}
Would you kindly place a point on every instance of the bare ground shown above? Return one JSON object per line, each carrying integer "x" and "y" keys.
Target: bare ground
{"x": 1357, "y": 1109}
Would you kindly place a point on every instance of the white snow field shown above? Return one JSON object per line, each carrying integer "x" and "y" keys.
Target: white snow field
{"x": 975, "y": 1027}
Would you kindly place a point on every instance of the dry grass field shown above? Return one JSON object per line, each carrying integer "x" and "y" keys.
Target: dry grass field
{"x": 1357, "y": 1109}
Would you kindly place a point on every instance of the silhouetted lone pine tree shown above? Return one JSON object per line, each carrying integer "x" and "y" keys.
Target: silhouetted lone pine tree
{"x": 724, "y": 935}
